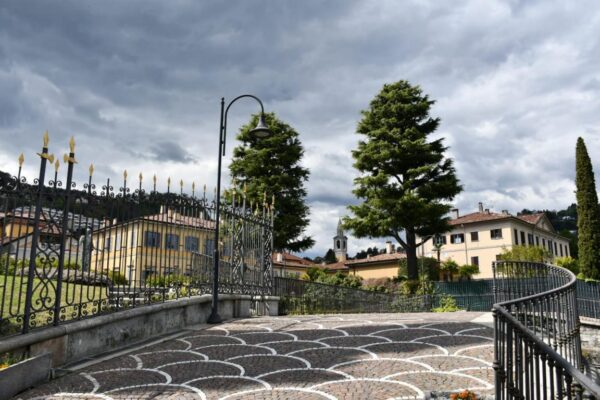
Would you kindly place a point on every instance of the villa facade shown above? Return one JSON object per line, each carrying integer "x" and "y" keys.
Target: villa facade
{"x": 479, "y": 238}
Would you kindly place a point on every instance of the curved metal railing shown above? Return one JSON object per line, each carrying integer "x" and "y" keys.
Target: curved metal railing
{"x": 536, "y": 328}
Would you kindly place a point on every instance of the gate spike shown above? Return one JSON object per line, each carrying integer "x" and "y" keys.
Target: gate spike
{"x": 21, "y": 160}
{"x": 72, "y": 144}
{"x": 91, "y": 169}
{"x": 56, "y": 165}
{"x": 125, "y": 174}
{"x": 46, "y": 139}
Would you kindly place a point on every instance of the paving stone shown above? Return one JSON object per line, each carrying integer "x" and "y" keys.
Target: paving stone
{"x": 155, "y": 359}
{"x": 330, "y": 356}
{"x": 301, "y": 378}
{"x": 187, "y": 371}
{"x": 347, "y": 360}
{"x": 372, "y": 390}
{"x": 258, "y": 365}
{"x": 440, "y": 381}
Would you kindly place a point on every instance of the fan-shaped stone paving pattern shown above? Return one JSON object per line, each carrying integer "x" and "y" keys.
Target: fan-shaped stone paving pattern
{"x": 364, "y": 356}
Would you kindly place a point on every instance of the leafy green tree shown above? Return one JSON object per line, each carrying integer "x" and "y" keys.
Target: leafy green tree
{"x": 588, "y": 213}
{"x": 273, "y": 165}
{"x": 467, "y": 271}
{"x": 405, "y": 181}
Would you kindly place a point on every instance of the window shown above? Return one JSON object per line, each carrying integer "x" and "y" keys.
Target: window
{"x": 337, "y": 244}
{"x": 152, "y": 239}
{"x": 209, "y": 247}
{"x": 555, "y": 249}
{"x": 544, "y": 242}
{"x": 522, "y": 238}
{"x": 516, "y": 236}
{"x": 550, "y": 247}
{"x": 439, "y": 240}
{"x": 192, "y": 243}
{"x": 457, "y": 238}
{"x": 537, "y": 241}
{"x": 530, "y": 239}
{"x": 474, "y": 236}
{"x": 118, "y": 243}
{"x": 133, "y": 237}
{"x": 107, "y": 244}
{"x": 171, "y": 241}
{"x": 561, "y": 249}
{"x": 475, "y": 261}
{"x": 496, "y": 234}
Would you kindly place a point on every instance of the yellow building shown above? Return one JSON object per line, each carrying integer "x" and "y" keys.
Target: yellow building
{"x": 152, "y": 245}
{"x": 376, "y": 267}
{"x": 479, "y": 238}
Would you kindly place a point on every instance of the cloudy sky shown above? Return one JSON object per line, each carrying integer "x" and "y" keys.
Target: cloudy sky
{"x": 138, "y": 84}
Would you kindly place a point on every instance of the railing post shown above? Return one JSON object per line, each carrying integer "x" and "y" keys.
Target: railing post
{"x": 63, "y": 234}
{"x": 36, "y": 234}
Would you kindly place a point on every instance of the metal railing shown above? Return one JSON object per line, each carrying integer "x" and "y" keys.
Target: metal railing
{"x": 68, "y": 251}
{"x": 536, "y": 324}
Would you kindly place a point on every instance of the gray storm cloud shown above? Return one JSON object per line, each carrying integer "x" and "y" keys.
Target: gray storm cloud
{"x": 138, "y": 84}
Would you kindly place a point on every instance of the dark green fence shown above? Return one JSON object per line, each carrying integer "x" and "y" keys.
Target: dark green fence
{"x": 588, "y": 299}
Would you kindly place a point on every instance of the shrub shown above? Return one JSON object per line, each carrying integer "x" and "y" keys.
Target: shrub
{"x": 449, "y": 268}
{"x": 421, "y": 287}
{"x": 569, "y": 263}
{"x": 447, "y": 304}
{"x": 117, "y": 278}
{"x": 467, "y": 271}
{"x": 167, "y": 280}
{"x": 526, "y": 253}
{"x": 428, "y": 266}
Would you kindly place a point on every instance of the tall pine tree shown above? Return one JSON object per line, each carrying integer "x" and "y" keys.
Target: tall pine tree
{"x": 272, "y": 165}
{"x": 588, "y": 213}
{"x": 405, "y": 181}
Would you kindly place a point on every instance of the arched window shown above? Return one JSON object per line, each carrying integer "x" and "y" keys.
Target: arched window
{"x": 338, "y": 244}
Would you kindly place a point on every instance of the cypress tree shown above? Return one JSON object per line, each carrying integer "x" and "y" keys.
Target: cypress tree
{"x": 588, "y": 213}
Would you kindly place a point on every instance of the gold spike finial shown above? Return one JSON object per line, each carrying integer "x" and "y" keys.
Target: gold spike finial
{"x": 193, "y": 185}
{"x": 46, "y": 140}
{"x": 91, "y": 169}
{"x": 72, "y": 144}
{"x": 141, "y": 176}
{"x": 154, "y": 179}
{"x": 125, "y": 174}
{"x": 169, "y": 181}
{"x": 57, "y": 165}
{"x": 205, "y": 187}
{"x": 21, "y": 160}
{"x": 51, "y": 158}
{"x": 65, "y": 158}
{"x": 181, "y": 183}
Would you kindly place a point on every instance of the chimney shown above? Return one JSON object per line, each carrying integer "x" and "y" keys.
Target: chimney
{"x": 487, "y": 210}
{"x": 389, "y": 249}
{"x": 505, "y": 212}
{"x": 279, "y": 257}
{"x": 480, "y": 207}
{"x": 455, "y": 213}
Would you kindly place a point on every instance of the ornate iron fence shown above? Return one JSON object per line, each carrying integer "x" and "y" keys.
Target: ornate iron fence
{"x": 536, "y": 322}
{"x": 69, "y": 252}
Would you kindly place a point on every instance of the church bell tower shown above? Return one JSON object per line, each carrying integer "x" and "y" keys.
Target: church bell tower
{"x": 340, "y": 243}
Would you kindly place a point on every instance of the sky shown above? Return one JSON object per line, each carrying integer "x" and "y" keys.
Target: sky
{"x": 138, "y": 84}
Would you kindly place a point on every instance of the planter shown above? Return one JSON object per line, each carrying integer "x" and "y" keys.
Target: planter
{"x": 24, "y": 374}
{"x": 447, "y": 396}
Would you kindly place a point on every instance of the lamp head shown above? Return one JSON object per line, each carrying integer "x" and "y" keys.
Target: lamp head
{"x": 262, "y": 130}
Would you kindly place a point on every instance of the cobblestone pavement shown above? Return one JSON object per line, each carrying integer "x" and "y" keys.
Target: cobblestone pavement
{"x": 367, "y": 356}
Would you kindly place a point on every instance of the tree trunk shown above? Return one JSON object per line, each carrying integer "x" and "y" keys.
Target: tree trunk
{"x": 411, "y": 256}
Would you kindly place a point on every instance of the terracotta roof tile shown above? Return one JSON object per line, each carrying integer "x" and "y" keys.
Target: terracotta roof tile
{"x": 531, "y": 218}
{"x": 477, "y": 217}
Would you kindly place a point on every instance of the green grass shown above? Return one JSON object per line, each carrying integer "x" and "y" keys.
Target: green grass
{"x": 12, "y": 300}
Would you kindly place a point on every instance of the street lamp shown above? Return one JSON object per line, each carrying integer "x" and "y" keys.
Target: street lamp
{"x": 261, "y": 131}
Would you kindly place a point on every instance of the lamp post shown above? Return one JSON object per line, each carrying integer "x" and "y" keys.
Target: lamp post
{"x": 261, "y": 131}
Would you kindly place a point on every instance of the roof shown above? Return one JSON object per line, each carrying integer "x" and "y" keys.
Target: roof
{"x": 485, "y": 216}
{"x": 178, "y": 219}
{"x": 338, "y": 266}
{"x": 377, "y": 259}
{"x": 291, "y": 260}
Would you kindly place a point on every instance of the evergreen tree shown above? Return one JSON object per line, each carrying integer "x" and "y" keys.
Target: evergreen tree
{"x": 588, "y": 214}
{"x": 272, "y": 165}
{"x": 330, "y": 257}
{"x": 405, "y": 182}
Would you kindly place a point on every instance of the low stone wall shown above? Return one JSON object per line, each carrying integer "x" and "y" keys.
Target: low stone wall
{"x": 589, "y": 332}
{"x": 77, "y": 340}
